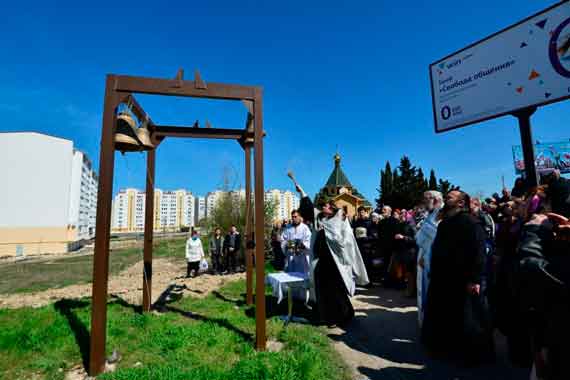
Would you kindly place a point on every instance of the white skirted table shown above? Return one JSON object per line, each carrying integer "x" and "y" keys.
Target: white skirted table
{"x": 282, "y": 282}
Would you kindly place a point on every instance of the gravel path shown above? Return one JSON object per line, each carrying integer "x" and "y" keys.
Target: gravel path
{"x": 382, "y": 343}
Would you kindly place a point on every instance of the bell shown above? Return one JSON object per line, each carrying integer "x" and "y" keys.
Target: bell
{"x": 126, "y": 138}
{"x": 143, "y": 136}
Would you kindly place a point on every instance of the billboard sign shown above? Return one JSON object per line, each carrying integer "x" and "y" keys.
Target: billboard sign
{"x": 547, "y": 157}
{"x": 527, "y": 64}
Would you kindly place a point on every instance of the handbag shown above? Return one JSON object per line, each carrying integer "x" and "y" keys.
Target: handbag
{"x": 204, "y": 265}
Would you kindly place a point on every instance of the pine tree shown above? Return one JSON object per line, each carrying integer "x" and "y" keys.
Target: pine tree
{"x": 422, "y": 184}
{"x": 386, "y": 186}
{"x": 444, "y": 186}
{"x": 432, "y": 185}
{"x": 395, "y": 193}
{"x": 407, "y": 190}
{"x": 379, "y": 189}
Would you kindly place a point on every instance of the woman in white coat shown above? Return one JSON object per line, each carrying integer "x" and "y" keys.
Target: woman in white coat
{"x": 194, "y": 254}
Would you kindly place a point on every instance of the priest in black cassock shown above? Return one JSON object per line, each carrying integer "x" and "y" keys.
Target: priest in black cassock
{"x": 455, "y": 322}
{"x": 336, "y": 261}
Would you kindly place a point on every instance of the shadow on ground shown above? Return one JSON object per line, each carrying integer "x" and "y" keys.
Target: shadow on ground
{"x": 68, "y": 307}
{"x": 382, "y": 342}
{"x": 80, "y": 332}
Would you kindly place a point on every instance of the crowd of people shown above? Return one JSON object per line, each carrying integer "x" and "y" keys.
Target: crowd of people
{"x": 475, "y": 266}
{"x": 225, "y": 253}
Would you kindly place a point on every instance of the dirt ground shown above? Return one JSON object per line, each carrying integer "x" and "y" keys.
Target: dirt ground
{"x": 383, "y": 343}
{"x": 128, "y": 286}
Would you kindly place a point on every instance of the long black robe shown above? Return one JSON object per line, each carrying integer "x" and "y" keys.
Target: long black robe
{"x": 333, "y": 304}
{"x": 458, "y": 256}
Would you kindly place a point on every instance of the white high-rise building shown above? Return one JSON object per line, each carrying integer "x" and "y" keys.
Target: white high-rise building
{"x": 173, "y": 210}
{"x": 128, "y": 211}
{"x": 238, "y": 195}
{"x": 48, "y": 195}
{"x": 188, "y": 207}
{"x": 212, "y": 199}
{"x": 285, "y": 203}
{"x": 199, "y": 209}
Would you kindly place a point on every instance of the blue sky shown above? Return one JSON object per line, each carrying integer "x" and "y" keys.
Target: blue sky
{"x": 352, "y": 74}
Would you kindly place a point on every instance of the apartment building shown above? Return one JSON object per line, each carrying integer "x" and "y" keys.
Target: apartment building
{"x": 285, "y": 202}
{"x": 199, "y": 209}
{"x": 173, "y": 210}
{"x": 48, "y": 197}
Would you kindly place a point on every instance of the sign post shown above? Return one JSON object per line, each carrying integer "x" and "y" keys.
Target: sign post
{"x": 531, "y": 175}
{"x": 511, "y": 72}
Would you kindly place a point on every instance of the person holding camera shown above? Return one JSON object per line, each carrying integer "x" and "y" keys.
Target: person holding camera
{"x": 296, "y": 244}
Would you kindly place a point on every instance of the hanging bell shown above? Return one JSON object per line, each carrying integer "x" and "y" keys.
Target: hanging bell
{"x": 143, "y": 135}
{"x": 126, "y": 137}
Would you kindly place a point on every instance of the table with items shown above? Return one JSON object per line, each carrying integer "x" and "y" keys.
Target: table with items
{"x": 283, "y": 282}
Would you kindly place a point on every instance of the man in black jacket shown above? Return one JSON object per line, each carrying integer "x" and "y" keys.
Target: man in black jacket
{"x": 216, "y": 250}
{"x": 452, "y": 323}
{"x": 387, "y": 230}
{"x": 232, "y": 246}
{"x": 543, "y": 290}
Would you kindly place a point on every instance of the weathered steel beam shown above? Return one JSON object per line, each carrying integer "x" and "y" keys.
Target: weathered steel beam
{"x": 148, "y": 230}
{"x": 176, "y": 87}
{"x": 210, "y": 133}
{"x": 260, "y": 332}
{"x": 248, "y": 227}
{"x": 102, "y": 232}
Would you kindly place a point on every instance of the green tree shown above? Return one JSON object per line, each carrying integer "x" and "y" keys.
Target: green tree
{"x": 422, "y": 184}
{"x": 444, "y": 186}
{"x": 231, "y": 209}
{"x": 407, "y": 188}
{"x": 386, "y": 190}
{"x": 395, "y": 193}
{"x": 404, "y": 186}
{"x": 432, "y": 185}
{"x": 379, "y": 189}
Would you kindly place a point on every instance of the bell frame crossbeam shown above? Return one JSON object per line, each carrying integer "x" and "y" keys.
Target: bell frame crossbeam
{"x": 121, "y": 89}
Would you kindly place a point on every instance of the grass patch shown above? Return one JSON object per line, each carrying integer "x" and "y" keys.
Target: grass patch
{"x": 210, "y": 338}
{"x": 36, "y": 276}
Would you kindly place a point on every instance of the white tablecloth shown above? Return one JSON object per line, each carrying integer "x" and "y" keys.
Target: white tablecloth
{"x": 281, "y": 282}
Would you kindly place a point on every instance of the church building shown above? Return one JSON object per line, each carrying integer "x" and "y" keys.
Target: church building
{"x": 339, "y": 189}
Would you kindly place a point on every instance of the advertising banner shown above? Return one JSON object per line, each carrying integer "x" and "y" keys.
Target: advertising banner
{"x": 548, "y": 157}
{"x": 527, "y": 64}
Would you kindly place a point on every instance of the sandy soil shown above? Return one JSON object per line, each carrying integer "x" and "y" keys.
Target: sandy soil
{"x": 128, "y": 286}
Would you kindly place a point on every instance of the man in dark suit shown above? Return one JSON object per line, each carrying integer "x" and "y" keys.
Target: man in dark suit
{"x": 232, "y": 246}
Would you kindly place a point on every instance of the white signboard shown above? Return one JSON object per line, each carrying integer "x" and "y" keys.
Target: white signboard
{"x": 527, "y": 64}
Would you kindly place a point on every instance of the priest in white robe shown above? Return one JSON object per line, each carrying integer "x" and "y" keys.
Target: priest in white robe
{"x": 336, "y": 262}
{"x": 296, "y": 244}
{"x": 433, "y": 201}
